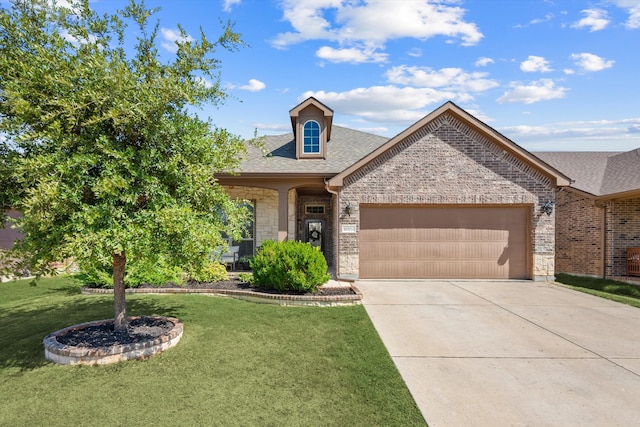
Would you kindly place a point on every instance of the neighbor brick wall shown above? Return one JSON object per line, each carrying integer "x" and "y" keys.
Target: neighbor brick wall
{"x": 447, "y": 162}
{"x": 623, "y": 231}
{"x": 579, "y": 231}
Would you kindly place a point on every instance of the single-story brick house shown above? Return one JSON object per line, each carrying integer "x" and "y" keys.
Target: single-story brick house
{"x": 449, "y": 197}
{"x": 598, "y": 216}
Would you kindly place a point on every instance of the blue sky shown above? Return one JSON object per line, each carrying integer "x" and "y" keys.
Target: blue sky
{"x": 559, "y": 75}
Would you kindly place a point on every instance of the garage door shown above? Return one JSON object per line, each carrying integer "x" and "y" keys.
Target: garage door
{"x": 443, "y": 243}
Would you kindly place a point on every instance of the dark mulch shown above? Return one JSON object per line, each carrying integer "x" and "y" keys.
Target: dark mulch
{"x": 140, "y": 329}
{"x": 239, "y": 285}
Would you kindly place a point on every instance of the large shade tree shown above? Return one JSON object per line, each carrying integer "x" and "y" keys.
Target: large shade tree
{"x": 100, "y": 143}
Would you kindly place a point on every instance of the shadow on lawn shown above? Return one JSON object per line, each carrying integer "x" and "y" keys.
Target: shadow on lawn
{"x": 24, "y": 327}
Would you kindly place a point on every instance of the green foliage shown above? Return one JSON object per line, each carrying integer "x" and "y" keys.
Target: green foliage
{"x": 607, "y": 286}
{"x": 96, "y": 276}
{"x": 105, "y": 157}
{"x": 246, "y": 277}
{"x": 289, "y": 266}
{"x": 211, "y": 272}
{"x": 142, "y": 272}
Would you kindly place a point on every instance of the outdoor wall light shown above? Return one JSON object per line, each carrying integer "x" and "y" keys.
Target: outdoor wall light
{"x": 347, "y": 209}
{"x": 547, "y": 207}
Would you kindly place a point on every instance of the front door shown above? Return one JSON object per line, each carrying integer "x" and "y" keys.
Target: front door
{"x": 315, "y": 232}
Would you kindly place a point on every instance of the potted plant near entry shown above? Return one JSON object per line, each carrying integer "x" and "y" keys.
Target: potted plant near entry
{"x": 245, "y": 263}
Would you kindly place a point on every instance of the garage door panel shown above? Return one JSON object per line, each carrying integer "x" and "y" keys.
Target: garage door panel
{"x": 427, "y": 242}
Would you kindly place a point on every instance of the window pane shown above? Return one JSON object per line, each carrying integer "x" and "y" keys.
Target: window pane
{"x": 311, "y": 140}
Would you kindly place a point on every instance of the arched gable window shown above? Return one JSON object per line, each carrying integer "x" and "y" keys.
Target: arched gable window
{"x": 311, "y": 141}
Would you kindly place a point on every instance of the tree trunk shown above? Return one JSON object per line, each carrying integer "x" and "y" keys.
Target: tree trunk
{"x": 119, "y": 303}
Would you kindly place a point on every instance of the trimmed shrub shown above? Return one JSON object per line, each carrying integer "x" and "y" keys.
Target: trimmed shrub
{"x": 137, "y": 273}
{"x": 211, "y": 272}
{"x": 289, "y": 267}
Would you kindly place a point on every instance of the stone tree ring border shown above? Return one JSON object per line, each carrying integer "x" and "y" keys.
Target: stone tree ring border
{"x": 62, "y": 354}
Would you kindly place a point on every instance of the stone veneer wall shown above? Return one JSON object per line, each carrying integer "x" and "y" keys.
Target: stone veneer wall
{"x": 579, "y": 231}
{"x": 447, "y": 162}
{"x": 623, "y": 231}
{"x": 266, "y": 209}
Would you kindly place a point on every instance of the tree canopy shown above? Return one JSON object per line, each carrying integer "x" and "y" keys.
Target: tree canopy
{"x": 105, "y": 157}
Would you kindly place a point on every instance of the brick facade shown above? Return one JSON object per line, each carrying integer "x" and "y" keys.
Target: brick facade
{"x": 579, "y": 234}
{"x": 623, "y": 231}
{"x": 447, "y": 162}
{"x": 592, "y": 236}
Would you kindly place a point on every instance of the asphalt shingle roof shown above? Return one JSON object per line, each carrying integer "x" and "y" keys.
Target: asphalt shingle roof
{"x": 598, "y": 173}
{"x": 345, "y": 148}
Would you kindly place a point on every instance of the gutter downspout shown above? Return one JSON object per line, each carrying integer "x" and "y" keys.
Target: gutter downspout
{"x": 603, "y": 241}
{"x": 336, "y": 215}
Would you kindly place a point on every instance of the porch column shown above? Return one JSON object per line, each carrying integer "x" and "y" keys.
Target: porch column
{"x": 283, "y": 213}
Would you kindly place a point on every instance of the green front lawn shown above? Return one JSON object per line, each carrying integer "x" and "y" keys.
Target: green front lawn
{"x": 238, "y": 363}
{"x": 605, "y": 288}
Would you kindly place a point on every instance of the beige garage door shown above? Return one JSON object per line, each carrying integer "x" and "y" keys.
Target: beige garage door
{"x": 443, "y": 243}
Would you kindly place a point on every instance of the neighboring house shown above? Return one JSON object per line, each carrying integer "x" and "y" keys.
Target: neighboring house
{"x": 449, "y": 197}
{"x": 598, "y": 217}
{"x": 9, "y": 235}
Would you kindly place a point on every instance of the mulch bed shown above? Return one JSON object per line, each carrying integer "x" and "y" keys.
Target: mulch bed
{"x": 139, "y": 330}
{"x": 239, "y": 285}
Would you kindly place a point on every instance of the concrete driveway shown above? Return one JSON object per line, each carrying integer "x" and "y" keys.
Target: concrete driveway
{"x": 510, "y": 353}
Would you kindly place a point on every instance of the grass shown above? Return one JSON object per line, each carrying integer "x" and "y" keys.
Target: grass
{"x": 238, "y": 363}
{"x": 605, "y": 288}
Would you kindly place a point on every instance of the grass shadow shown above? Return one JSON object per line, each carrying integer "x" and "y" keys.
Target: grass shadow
{"x": 26, "y": 325}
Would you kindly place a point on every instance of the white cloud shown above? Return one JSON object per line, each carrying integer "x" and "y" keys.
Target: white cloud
{"x": 581, "y": 135}
{"x": 273, "y": 127}
{"x": 484, "y": 61}
{"x": 595, "y": 20}
{"x": 204, "y": 82}
{"x": 374, "y": 22}
{"x": 589, "y": 62}
{"x": 548, "y": 17}
{"x": 385, "y": 104}
{"x": 228, "y": 4}
{"x": 172, "y": 37}
{"x": 633, "y": 8}
{"x": 450, "y": 79}
{"x": 540, "y": 90}
{"x": 76, "y": 41}
{"x": 253, "y": 86}
{"x": 535, "y": 64}
{"x": 416, "y": 52}
{"x": 352, "y": 55}
{"x": 376, "y": 130}
{"x": 74, "y": 6}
